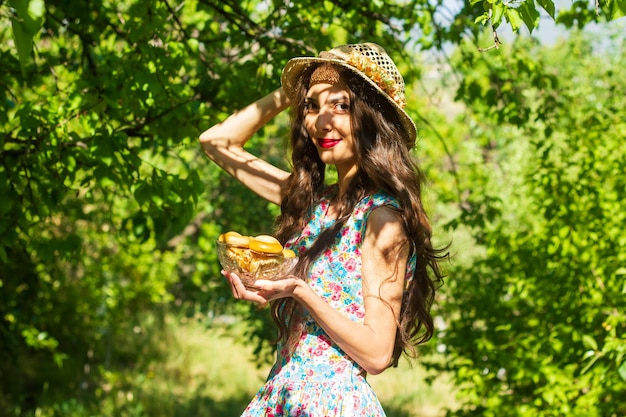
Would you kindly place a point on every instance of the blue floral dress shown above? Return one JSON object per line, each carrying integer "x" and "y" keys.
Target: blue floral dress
{"x": 317, "y": 379}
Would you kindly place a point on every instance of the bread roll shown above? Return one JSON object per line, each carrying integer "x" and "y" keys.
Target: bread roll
{"x": 235, "y": 239}
{"x": 266, "y": 244}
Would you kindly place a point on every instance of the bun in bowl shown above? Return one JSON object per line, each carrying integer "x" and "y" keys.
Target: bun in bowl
{"x": 266, "y": 244}
{"x": 254, "y": 258}
{"x": 235, "y": 239}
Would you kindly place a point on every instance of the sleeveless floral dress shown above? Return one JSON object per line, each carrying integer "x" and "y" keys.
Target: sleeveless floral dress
{"x": 318, "y": 379}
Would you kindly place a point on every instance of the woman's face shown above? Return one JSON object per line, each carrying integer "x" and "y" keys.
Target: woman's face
{"x": 327, "y": 120}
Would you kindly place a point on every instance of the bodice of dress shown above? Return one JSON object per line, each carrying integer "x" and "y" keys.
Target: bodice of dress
{"x": 336, "y": 277}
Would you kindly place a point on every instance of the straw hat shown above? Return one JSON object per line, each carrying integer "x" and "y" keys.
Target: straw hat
{"x": 367, "y": 60}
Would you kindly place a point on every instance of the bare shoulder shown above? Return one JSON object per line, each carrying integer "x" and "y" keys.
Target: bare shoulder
{"x": 387, "y": 220}
{"x": 384, "y": 255}
{"x": 385, "y": 228}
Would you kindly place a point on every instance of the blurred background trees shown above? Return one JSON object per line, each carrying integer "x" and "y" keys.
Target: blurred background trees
{"x": 109, "y": 211}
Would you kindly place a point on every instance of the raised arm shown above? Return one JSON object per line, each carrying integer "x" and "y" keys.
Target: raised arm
{"x": 224, "y": 144}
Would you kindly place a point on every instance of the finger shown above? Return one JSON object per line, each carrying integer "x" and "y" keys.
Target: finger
{"x": 238, "y": 286}
{"x": 263, "y": 284}
{"x": 233, "y": 288}
{"x": 241, "y": 292}
{"x": 235, "y": 284}
{"x": 281, "y": 285}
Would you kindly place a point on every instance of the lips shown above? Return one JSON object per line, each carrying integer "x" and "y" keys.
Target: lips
{"x": 327, "y": 143}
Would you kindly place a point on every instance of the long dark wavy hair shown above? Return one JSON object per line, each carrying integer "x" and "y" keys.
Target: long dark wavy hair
{"x": 384, "y": 164}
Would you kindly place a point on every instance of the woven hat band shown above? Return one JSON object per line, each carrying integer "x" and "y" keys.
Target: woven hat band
{"x": 372, "y": 62}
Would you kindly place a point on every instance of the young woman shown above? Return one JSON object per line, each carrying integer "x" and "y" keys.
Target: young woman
{"x": 367, "y": 270}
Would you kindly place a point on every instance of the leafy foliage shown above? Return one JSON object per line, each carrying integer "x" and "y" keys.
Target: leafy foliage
{"x": 537, "y": 323}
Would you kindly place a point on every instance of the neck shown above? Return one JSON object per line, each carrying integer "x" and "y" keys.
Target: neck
{"x": 343, "y": 179}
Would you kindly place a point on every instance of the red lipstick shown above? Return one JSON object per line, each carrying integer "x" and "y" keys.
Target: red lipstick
{"x": 327, "y": 143}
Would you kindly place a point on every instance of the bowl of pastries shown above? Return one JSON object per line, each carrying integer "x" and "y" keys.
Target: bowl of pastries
{"x": 254, "y": 257}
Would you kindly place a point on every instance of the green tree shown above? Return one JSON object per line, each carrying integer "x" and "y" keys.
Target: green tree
{"x": 536, "y": 306}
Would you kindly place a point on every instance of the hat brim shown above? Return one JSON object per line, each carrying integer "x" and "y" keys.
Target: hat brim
{"x": 296, "y": 66}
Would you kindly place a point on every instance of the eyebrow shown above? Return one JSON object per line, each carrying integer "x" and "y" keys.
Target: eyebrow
{"x": 334, "y": 98}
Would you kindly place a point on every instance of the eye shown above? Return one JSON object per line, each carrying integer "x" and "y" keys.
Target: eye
{"x": 342, "y": 107}
{"x": 310, "y": 106}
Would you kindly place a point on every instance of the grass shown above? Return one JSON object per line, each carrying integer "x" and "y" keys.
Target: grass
{"x": 204, "y": 372}
{"x": 218, "y": 376}
{"x": 188, "y": 368}
{"x": 404, "y": 392}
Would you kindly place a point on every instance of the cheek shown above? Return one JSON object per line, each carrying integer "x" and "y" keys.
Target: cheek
{"x": 344, "y": 124}
{"x": 309, "y": 125}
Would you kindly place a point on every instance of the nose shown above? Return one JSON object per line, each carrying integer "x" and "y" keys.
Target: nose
{"x": 324, "y": 121}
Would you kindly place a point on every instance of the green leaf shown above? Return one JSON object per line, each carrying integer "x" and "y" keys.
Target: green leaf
{"x": 622, "y": 371}
{"x": 59, "y": 358}
{"x": 514, "y": 18}
{"x": 593, "y": 360}
{"x": 23, "y": 43}
{"x": 548, "y": 6}
{"x": 498, "y": 12}
{"x": 3, "y": 254}
{"x": 26, "y": 22}
{"x": 29, "y": 14}
{"x": 590, "y": 342}
{"x": 142, "y": 193}
{"x": 617, "y": 9}
{"x": 529, "y": 14}
{"x": 482, "y": 19}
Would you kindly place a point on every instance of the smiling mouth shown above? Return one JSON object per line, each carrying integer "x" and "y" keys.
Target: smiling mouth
{"x": 327, "y": 143}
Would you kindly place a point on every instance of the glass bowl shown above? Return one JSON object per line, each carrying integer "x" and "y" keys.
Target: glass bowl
{"x": 250, "y": 265}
